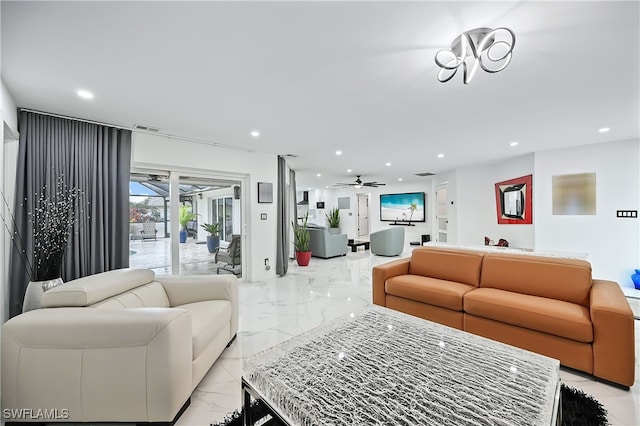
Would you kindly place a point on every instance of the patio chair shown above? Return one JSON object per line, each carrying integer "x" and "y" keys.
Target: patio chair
{"x": 192, "y": 229}
{"x": 148, "y": 230}
{"x": 230, "y": 255}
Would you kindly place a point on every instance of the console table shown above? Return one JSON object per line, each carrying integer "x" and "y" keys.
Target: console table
{"x": 380, "y": 366}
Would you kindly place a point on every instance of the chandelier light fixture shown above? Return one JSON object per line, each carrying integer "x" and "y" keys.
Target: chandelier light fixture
{"x": 489, "y": 49}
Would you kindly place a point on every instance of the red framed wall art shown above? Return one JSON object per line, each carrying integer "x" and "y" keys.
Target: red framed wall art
{"x": 514, "y": 201}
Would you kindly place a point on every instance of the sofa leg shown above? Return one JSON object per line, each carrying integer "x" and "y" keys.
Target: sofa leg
{"x": 172, "y": 422}
{"x": 233, "y": 339}
{"x": 614, "y": 384}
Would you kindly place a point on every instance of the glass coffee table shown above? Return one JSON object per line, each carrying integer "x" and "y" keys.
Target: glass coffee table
{"x": 379, "y": 366}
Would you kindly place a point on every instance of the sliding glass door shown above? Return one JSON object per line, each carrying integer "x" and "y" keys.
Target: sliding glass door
{"x": 169, "y": 248}
{"x": 149, "y": 222}
{"x": 222, "y": 210}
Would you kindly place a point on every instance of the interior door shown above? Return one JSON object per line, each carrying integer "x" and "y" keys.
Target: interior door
{"x": 442, "y": 212}
{"x": 363, "y": 214}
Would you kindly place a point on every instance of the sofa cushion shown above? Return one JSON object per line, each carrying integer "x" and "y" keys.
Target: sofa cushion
{"x": 554, "y": 278}
{"x": 462, "y": 266}
{"x": 95, "y": 288}
{"x": 550, "y": 316}
{"x": 208, "y": 318}
{"x": 145, "y": 296}
{"x": 433, "y": 291}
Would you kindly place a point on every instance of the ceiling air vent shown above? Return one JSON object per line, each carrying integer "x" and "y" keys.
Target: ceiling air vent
{"x": 146, "y": 128}
{"x": 425, "y": 174}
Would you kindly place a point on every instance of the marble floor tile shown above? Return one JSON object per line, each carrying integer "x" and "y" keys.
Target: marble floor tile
{"x": 280, "y": 308}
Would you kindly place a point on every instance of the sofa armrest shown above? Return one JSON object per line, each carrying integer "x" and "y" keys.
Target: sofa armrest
{"x": 337, "y": 244}
{"x": 87, "y": 361}
{"x": 183, "y": 289}
{"x": 381, "y": 273}
{"x": 613, "y": 333}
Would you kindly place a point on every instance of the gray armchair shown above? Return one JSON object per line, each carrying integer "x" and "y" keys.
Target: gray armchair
{"x": 230, "y": 255}
{"x": 323, "y": 244}
{"x": 387, "y": 242}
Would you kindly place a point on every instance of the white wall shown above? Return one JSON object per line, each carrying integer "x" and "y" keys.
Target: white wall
{"x": 611, "y": 243}
{"x": 8, "y": 159}
{"x": 9, "y": 130}
{"x": 171, "y": 154}
{"x": 476, "y": 206}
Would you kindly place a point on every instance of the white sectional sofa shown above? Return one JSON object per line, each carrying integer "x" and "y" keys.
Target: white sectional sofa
{"x": 121, "y": 346}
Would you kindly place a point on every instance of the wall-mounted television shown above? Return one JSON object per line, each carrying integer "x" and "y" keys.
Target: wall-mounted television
{"x": 406, "y": 207}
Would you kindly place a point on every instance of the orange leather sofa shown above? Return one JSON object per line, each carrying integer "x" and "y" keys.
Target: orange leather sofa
{"x": 546, "y": 305}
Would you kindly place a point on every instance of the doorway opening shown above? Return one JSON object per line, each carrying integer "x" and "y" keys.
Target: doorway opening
{"x": 363, "y": 214}
{"x": 189, "y": 247}
{"x": 442, "y": 212}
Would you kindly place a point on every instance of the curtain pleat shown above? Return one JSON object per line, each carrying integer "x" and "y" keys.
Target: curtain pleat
{"x": 282, "y": 241}
{"x": 92, "y": 158}
{"x": 293, "y": 209}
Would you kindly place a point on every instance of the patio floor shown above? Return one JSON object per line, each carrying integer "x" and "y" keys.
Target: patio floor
{"x": 195, "y": 259}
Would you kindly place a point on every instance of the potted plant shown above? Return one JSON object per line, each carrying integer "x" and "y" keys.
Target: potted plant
{"x": 213, "y": 240}
{"x": 42, "y": 245}
{"x": 333, "y": 217}
{"x": 186, "y": 216}
{"x": 301, "y": 242}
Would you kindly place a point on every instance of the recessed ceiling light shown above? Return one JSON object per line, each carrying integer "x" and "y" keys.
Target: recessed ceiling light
{"x": 348, "y": 170}
{"x": 604, "y": 130}
{"x": 440, "y": 155}
{"x": 327, "y": 186}
{"x": 338, "y": 152}
{"x": 387, "y": 164}
{"x": 318, "y": 175}
{"x": 400, "y": 179}
{"x": 85, "y": 94}
{"x": 513, "y": 144}
{"x": 255, "y": 133}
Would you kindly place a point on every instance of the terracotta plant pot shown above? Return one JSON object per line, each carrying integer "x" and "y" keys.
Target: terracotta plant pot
{"x": 303, "y": 257}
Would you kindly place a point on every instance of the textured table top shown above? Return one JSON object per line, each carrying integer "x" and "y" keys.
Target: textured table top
{"x": 382, "y": 367}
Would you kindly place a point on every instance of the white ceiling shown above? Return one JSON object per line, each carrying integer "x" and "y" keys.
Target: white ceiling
{"x": 315, "y": 77}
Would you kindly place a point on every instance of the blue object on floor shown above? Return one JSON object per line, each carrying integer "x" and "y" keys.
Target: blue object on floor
{"x": 635, "y": 277}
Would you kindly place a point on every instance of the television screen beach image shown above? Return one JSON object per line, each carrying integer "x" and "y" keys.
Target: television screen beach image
{"x": 408, "y": 207}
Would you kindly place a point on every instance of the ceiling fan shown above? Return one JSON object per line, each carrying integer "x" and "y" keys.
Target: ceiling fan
{"x": 359, "y": 183}
{"x": 157, "y": 178}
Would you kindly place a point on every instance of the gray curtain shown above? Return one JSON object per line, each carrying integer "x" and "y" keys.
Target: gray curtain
{"x": 282, "y": 240}
{"x": 292, "y": 208}
{"x": 93, "y": 158}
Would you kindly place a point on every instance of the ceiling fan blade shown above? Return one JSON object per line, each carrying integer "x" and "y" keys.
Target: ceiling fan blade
{"x": 358, "y": 183}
